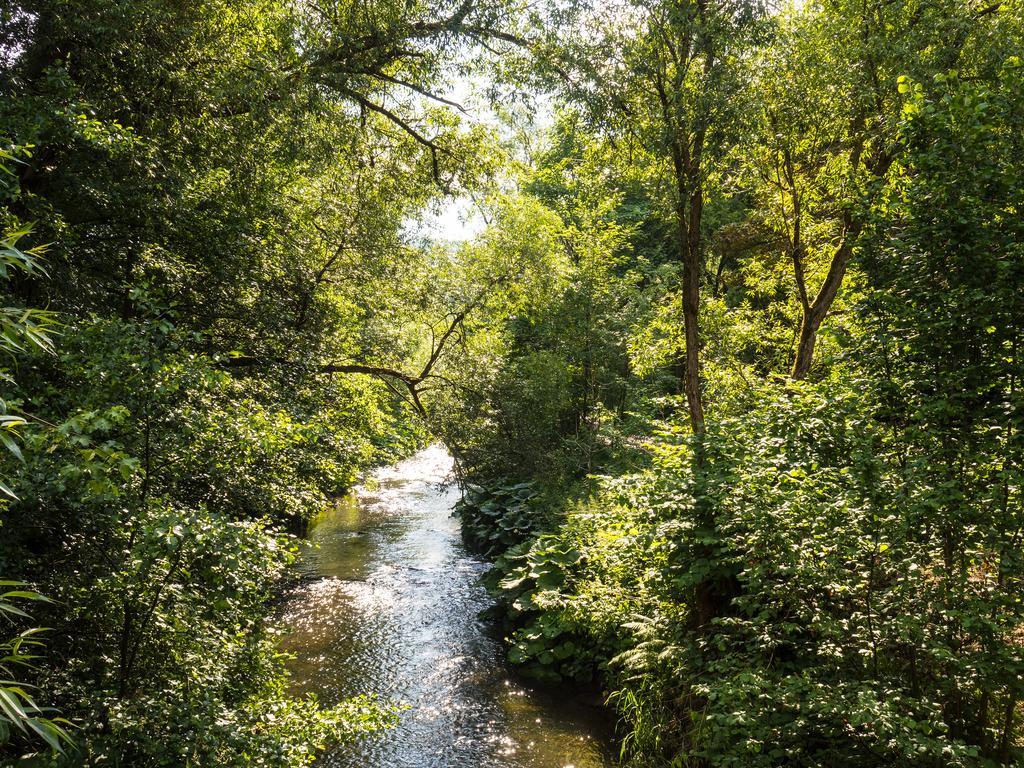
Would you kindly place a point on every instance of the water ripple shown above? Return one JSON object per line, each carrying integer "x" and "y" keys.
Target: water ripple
{"x": 389, "y": 607}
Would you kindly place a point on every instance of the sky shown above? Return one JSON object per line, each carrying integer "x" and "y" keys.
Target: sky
{"x": 458, "y": 219}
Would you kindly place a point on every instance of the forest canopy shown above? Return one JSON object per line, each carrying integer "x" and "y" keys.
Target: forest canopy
{"x": 730, "y": 370}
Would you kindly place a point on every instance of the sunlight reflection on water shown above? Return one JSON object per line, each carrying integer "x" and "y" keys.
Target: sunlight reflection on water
{"x": 389, "y": 606}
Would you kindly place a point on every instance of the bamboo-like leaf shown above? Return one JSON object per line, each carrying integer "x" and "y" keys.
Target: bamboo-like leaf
{"x": 52, "y": 734}
{"x": 8, "y": 608}
{"x": 24, "y": 595}
{"x": 12, "y": 445}
{"x": 11, "y": 708}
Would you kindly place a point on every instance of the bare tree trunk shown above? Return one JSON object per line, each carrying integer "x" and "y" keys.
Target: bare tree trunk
{"x": 805, "y": 344}
{"x": 689, "y": 212}
{"x": 816, "y": 311}
{"x": 691, "y": 319}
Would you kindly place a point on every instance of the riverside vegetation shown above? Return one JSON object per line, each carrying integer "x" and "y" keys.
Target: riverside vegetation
{"x": 732, "y": 372}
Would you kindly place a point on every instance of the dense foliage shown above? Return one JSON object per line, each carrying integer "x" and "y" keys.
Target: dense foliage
{"x": 211, "y": 202}
{"x": 771, "y": 413}
{"x": 731, "y": 372}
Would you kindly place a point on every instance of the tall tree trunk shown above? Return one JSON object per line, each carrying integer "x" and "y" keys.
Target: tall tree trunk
{"x": 710, "y": 594}
{"x": 689, "y": 212}
{"x": 691, "y": 327}
{"x": 809, "y": 326}
{"x": 815, "y": 312}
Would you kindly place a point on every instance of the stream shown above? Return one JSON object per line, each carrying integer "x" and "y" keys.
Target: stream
{"x": 388, "y": 605}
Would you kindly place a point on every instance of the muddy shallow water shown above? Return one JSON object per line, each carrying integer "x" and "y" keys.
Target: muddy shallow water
{"x": 389, "y": 606}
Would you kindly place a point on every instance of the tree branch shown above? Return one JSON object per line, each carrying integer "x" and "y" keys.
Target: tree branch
{"x": 416, "y": 135}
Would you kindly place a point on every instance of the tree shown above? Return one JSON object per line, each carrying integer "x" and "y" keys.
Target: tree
{"x": 662, "y": 76}
{"x": 945, "y": 336}
{"x": 828, "y": 127}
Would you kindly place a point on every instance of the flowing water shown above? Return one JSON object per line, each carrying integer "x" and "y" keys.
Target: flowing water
{"x": 388, "y": 605}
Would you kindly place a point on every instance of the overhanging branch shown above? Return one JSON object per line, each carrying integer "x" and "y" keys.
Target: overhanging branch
{"x": 392, "y": 377}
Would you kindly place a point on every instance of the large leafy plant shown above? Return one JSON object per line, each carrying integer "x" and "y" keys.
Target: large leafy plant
{"x": 20, "y": 715}
{"x": 532, "y": 580}
{"x": 499, "y": 515}
{"x": 20, "y": 329}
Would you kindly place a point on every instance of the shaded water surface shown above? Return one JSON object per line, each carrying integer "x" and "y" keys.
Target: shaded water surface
{"x": 389, "y": 606}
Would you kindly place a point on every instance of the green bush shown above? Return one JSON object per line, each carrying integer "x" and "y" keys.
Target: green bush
{"x": 836, "y": 649}
{"x": 498, "y": 516}
{"x": 532, "y": 582}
